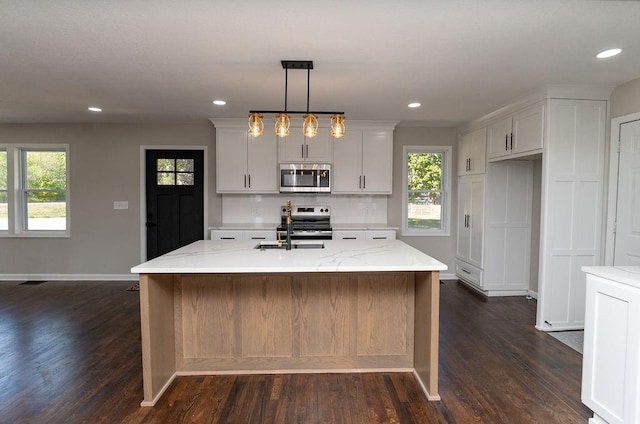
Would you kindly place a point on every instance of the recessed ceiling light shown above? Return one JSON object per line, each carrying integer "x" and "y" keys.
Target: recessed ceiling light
{"x": 94, "y": 109}
{"x": 219, "y": 102}
{"x": 608, "y": 53}
{"x": 414, "y": 104}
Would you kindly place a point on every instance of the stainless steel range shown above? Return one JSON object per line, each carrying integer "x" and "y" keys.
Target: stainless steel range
{"x": 308, "y": 223}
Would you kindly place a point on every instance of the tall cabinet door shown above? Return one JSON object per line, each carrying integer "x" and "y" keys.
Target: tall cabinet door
{"x": 347, "y": 163}
{"x": 476, "y": 220}
{"x": 470, "y": 219}
{"x": 572, "y": 199}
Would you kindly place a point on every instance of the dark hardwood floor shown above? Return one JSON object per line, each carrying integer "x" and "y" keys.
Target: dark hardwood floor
{"x": 70, "y": 353}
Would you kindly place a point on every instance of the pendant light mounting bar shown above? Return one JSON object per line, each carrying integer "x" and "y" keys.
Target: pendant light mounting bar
{"x": 297, "y": 64}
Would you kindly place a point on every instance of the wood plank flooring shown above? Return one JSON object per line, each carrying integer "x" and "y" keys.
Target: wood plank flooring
{"x": 70, "y": 353}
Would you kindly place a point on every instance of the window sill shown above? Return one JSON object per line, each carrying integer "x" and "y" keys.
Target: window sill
{"x": 36, "y": 234}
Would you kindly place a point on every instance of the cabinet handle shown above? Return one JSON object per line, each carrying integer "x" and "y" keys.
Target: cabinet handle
{"x": 465, "y": 271}
{"x": 249, "y": 180}
{"x": 511, "y": 141}
{"x": 227, "y": 238}
{"x": 379, "y": 238}
{"x": 364, "y": 181}
{"x": 506, "y": 142}
{"x": 360, "y": 181}
{"x": 302, "y": 151}
{"x": 258, "y": 238}
{"x": 306, "y": 156}
{"x": 245, "y": 180}
{"x": 349, "y": 238}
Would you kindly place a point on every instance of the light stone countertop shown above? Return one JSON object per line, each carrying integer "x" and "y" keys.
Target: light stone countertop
{"x": 239, "y": 256}
{"x": 629, "y": 275}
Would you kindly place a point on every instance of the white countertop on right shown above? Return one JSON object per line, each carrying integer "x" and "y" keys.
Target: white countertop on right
{"x": 629, "y": 275}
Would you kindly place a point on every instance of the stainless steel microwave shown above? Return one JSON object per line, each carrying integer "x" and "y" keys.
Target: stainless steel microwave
{"x": 305, "y": 178}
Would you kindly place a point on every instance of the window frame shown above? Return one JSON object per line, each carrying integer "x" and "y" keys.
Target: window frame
{"x": 17, "y": 191}
{"x": 445, "y": 216}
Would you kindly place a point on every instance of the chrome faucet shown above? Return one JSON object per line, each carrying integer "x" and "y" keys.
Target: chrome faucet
{"x": 288, "y": 241}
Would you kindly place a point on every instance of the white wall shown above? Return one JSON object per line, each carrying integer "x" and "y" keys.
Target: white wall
{"x": 441, "y": 248}
{"x": 104, "y": 162}
{"x": 625, "y": 99}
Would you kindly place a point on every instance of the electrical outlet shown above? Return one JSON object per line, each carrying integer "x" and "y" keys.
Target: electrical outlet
{"x": 120, "y": 204}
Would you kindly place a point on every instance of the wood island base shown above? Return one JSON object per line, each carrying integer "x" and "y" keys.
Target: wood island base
{"x": 199, "y": 324}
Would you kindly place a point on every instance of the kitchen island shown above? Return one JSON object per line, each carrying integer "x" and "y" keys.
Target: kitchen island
{"x": 225, "y": 307}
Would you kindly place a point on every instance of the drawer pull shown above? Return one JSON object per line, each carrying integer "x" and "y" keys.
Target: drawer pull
{"x": 465, "y": 271}
{"x": 227, "y": 238}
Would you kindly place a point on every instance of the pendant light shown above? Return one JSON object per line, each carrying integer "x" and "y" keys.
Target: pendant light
{"x": 337, "y": 126}
{"x": 283, "y": 119}
{"x": 256, "y": 126}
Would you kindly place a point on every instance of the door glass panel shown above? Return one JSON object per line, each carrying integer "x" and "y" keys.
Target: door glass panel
{"x": 183, "y": 178}
{"x": 166, "y": 178}
{"x": 184, "y": 165}
{"x": 166, "y": 165}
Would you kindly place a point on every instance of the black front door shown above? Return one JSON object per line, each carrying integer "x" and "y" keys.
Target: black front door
{"x": 175, "y": 202}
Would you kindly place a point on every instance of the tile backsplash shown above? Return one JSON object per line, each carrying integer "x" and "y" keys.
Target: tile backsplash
{"x": 265, "y": 209}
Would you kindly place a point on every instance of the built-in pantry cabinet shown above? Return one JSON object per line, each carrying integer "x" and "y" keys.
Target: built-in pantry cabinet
{"x": 244, "y": 164}
{"x": 297, "y": 148}
{"x": 363, "y": 162}
{"x": 564, "y": 127}
{"x": 494, "y": 228}
{"x": 521, "y": 133}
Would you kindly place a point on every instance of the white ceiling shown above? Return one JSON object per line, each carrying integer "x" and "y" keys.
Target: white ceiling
{"x": 144, "y": 60}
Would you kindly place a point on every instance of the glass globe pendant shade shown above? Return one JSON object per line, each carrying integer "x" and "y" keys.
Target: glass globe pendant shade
{"x": 282, "y": 125}
{"x": 310, "y": 125}
{"x": 337, "y": 126}
{"x": 256, "y": 126}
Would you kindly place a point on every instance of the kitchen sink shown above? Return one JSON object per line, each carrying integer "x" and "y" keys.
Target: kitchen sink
{"x": 297, "y": 244}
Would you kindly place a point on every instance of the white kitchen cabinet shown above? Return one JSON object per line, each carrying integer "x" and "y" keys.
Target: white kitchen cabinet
{"x": 349, "y": 235}
{"x": 572, "y": 209}
{"x": 240, "y": 234}
{"x": 470, "y": 219}
{"x": 227, "y": 234}
{"x": 245, "y": 164}
{"x": 297, "y": 148}
{"x": 611, "y": 353}
{"x": 364, "y": 234}
{"x": 380, "y": 235}
{"x": 363, "y": 162}
{"x": 494, "y": 228}
{"x": 472, "y": 152}
{"x": 519, "y": 134}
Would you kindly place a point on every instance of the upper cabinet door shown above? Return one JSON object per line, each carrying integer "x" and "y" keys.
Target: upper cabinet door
{"x": 528, "y": 129}
{"x": 231, "y": 160}
{"x": 472, "y": 152}
{"x": 499, "y": 139}
{"x": 517, "y": 135}
{"x": 262, "y": 164}
{"x": 347, "y": 163}
{"x": 297, "y": 148}
{"x": 377, "y": 163}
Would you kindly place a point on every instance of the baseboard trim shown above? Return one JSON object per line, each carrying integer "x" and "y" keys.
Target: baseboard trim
{"x": 448, "y": 277}
{"x": 160, "y": 393}
{"x": 69, "y": 277}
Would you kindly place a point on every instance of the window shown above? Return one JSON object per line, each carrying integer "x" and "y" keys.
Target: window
{"x": 426, "y": 190}
{"x": 175, "y": 172}
{"x": 34, "y": 197}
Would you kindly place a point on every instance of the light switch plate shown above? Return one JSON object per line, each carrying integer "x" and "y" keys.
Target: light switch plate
{"x": 120, "y": 204}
